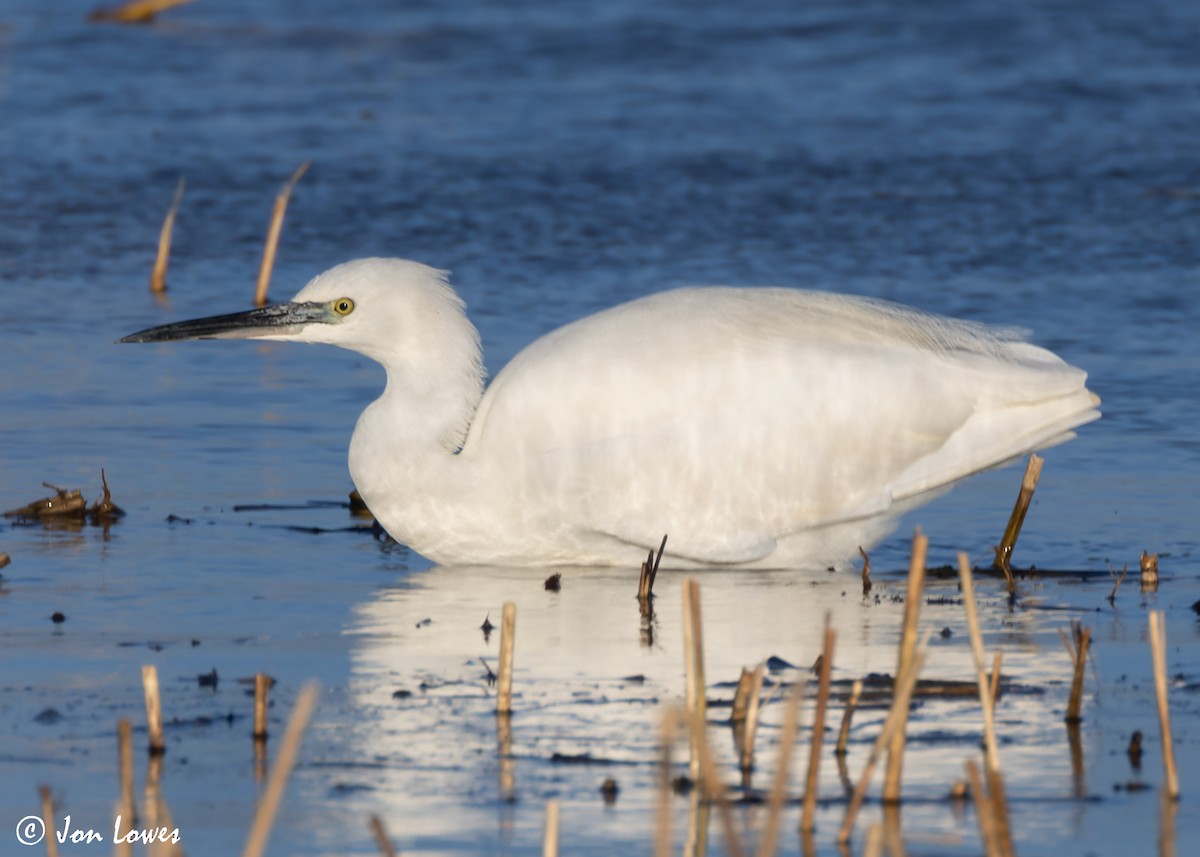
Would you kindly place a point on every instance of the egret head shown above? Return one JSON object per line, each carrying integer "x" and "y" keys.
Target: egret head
{"x": 401, "y": 314}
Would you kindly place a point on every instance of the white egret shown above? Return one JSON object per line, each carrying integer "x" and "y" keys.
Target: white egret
{"x": 764, "y": 427}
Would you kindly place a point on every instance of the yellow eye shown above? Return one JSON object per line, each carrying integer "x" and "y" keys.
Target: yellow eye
{"x": 343, "y": 306}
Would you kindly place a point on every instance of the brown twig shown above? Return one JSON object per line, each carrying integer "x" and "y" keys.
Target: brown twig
{"x": 158, "y": 275}
{"x": 1117, "y": 581}
{"x": 1033, "y": 472}
{"x": 1158, "y": 654}
{"x": 866, "y": 572}
{"x": 908, "y": 640}
{"x": 273, "y": 232}
{"x": 808, "y": 817}
{"x": 508, "y": 631}
{"x": 264, "y": 816}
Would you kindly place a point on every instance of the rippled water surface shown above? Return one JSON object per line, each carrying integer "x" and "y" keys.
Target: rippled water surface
{"x": 1027, "y": 163}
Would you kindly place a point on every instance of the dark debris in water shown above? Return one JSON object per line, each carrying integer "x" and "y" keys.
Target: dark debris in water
{"x": 48, "y": 716}
{"x": 67, "y": 508}
{"x": 553, "y": 583}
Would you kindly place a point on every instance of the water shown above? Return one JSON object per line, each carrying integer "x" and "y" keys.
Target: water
{"x": 1028, "y": 164}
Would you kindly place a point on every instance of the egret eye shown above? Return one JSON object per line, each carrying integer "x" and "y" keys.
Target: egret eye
{"x": 343, "y": 306}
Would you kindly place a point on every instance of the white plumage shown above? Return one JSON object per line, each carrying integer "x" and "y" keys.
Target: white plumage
{"x": 759, "y": 427}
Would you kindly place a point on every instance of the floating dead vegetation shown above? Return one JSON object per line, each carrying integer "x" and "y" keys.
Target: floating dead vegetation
{"x": 135, "y": 11}
{"x": 68, "y": 508}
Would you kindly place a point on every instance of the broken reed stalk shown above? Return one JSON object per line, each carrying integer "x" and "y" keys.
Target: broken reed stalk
{"x": 153, "y": 709}
{"x": 158, "y": 275}
{"x": 908, "y": 641}
{"x": 787, "y": 741}
{"x": 49, "y": 827}
{"x": 866, "y": 572}
{"x": 900, "y": 702}
{"x": 847, "y": 716}
{"x": 995, "y": 683}
{"x": 649, "y": 572}
{"x": 379, "y": 833}
{"x": 508, "y": 632}
{"x": 986, "y": 690}
{"x": 693, "y": 655}
{"x": 1003, "y": 561}
{"x": 984, "y": 811}
{"x": 268, "y": 805}
{"x": 710, "y": 783}
{"x": 746, "y": 701}
{"x": 1077, "y": 647}
{"x": 808, "y": 817}
{"x": 262, "y": 688}
{"x": 550, "y": 834}
{"x": 128, "y": 805}
{"x": 1117, "y": 581}
{"x": 273, "y": 231}
{"x": 1158, "y": 654}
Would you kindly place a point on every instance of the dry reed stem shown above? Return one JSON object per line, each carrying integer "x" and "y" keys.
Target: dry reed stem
{"x": 508, "y": 784}
{"x": 787, "y": 741}
{"x": 125, "y": 768}
{"x": 900, "y": 702}
{"x": 1077, "y": 647}
{"x": 710, "y": 782}
{"x": 1158, "y": 653}
{"x": 847, "y": 716}
{"x": 48, "y": 821}
{"x": 874, "y": 843}
{"x": 153, "y": 708}
{"x": 662, "y": 838}
{"x": 995, "y": 683}
{"x": 262, "y": 688}
{"x": 1168, "y": 810}
{"x": 908, "y": 640}
{"x": 986, "y": 691}
{"x": 866, "y": 572}
{"x": 693, "y": 654}
{"x": 807, "y": 820}
{"x": 508, "y": 631}
{"x": 550, "y": 833}
{"x": 1117, "y": 581}
{"x": 1033, "y": 471}
{"x": 746, "y": 702}
{"x": 273, "y": 231}
{"x": 268, "y": 805}
{"x": 649, "y": 572}
{"x": 158, "y": 275}
{"x": 135, "y": 11}
{"x": 379, "y": 832}
{"x": 984, "y": 811}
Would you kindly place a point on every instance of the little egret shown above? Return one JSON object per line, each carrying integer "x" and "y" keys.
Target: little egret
{"x": 765, "y": 427}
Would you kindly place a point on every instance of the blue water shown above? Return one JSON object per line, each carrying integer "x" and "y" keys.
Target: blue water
{"x": 1028, "y": 163}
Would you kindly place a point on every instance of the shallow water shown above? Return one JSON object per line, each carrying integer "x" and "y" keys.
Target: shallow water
{"x": 1028, "y": 164}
